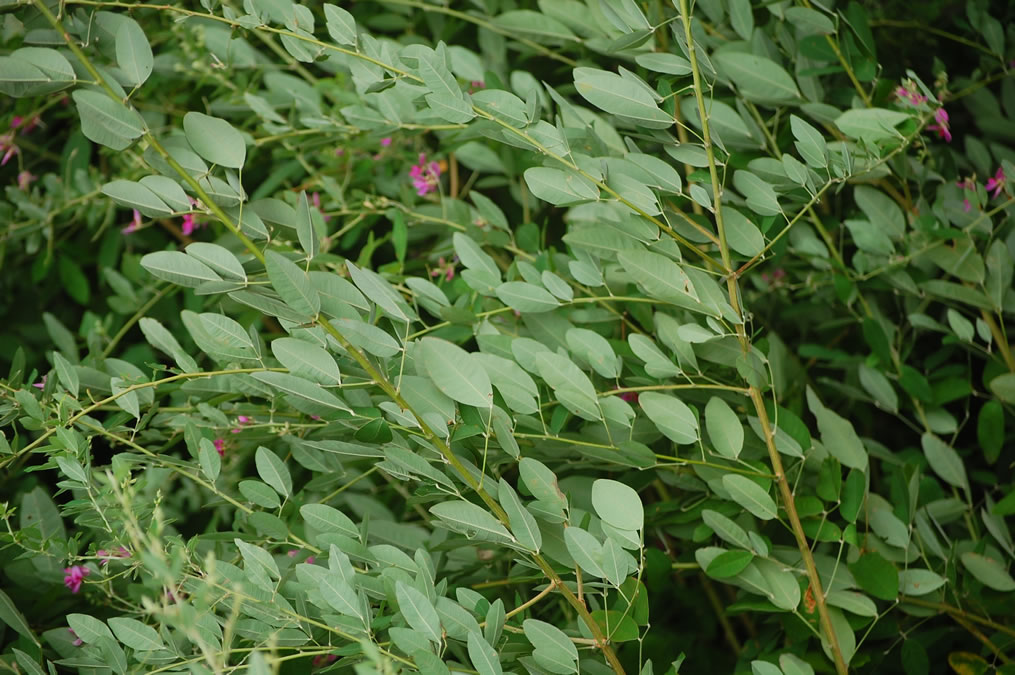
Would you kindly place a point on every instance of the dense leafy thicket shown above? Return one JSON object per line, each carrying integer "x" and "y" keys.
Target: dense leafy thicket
{"x": 569, "y": 336}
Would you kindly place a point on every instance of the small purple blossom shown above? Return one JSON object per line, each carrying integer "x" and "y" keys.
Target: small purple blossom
{"x": 445, "y": 269}
{"x": 970, "y": 185}
{"x": 77, "y": 641}
{"x": 74, "y": 576}
{"x": 25, "y": 126}
{"x": 41, "y": 384}
{"x": 425, "y": 176}
{"x": 997, "y": 182}
{"x": 912, "y": 97}
{"x": 189, "y": 224}
{"x": 322, "y": 660}
{"x": 25, "y": 179}
{"x": 941, "y": 116}
{"x": 135, "y": 224}
{"x": 104, "y": 555}
{"x": 386, "y": 142}
{"x": 315, "y": 199}
{"x": 8, "y": 148}
{"x": 220, "y": 446}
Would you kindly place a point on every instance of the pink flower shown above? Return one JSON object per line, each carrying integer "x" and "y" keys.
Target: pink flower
{"x": 25, "y": 179}
{"x": 941, "y": 115}
{"x": 425, "y": 177}
{"x": 77, "y": 641}
{"x": 17, "y": 122}
{"x": 104, "y": 555}
{"x": 41, "y": 384}
{"x": 293, "y": 552}
{"x": 322, "y": 660}
{"x": 189, "y": 224}
{"x": 997, "y": 182}
{"x": 315, "y": 199}
{"x": 629, "y": 396}
{"x": 310, "y": 560}
{"x": 8, "y": 148}
{"x": 967, "y": 184}
{"x": 220, "y": 446}
{"x": 385, "y": 142}
{"x": 243, "y": 419}
{"x": 74, "y": 576}
{"x": 135, "y": 224}
{"x": 476, "y": 85}
{"x": 910, "y": 96}
{"x": 339, "y": 152}
{"x": 447, "y": 269}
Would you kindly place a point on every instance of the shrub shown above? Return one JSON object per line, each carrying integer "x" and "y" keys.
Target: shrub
{"x": 547, "y": 337}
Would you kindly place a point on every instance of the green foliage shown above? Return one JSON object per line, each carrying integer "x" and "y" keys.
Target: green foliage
{"x": 560, "y": 336}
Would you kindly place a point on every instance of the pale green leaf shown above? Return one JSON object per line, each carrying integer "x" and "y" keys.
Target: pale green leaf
{"x": 456, "y": 373}
{"x": 136, "y": 635}
{"x": 988, "y": 572}
{"x": 306, "y": 360}
{"x": 273, "y": 471}
{"x": 107, "y": 122}
{"x": 133, "y": 53}
{"x": 724, "y": 428}
{"x": 292, "y": 284}
{"x": 750, "y": 495}
{"x": 618, "y": 504}
{"x": 471, "y": 520}
{"x": 671, "y": 415}
{"x": 523, "y": 525}
{"x": 215, "y": 139}
{"x": 945, "y": 462}
{"x": 620, "y": 96}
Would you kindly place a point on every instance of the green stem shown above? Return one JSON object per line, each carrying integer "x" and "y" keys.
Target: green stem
{"x": 786, "y": 491}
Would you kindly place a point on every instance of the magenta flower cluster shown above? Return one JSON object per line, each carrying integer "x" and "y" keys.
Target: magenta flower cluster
{"x": 7, "y": 147}
{"x": 995, "y": 185}
{"x": 74, "y": 576}
{"x": 425, "y": 176}
{"x": 220, "y": 443}
{"x": 912, "y": 97}
{"x": 942, "y": 129}
{"x": 445, "y": 268}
